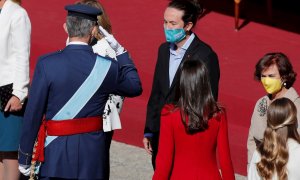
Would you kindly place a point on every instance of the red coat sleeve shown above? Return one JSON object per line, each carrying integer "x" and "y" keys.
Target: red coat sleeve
{"x": 164, "y": 159}
{"x": 223, "y": 150}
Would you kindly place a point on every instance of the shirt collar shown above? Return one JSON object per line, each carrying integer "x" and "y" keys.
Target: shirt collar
{"x": 188, "y": 42}
{"x": 185, "y": 45}
{"x": 77, "y": 43}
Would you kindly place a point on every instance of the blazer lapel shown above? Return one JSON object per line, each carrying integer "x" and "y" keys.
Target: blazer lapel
{"x": 165, "y": 57}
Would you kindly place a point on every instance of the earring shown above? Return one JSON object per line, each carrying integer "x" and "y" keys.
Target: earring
{"x": 284, "y": 84}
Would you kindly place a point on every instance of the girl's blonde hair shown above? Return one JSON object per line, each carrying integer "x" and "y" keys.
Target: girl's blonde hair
{"x": 281, "y": 125}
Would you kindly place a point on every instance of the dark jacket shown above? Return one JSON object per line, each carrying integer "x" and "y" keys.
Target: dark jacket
{"x": 57, "y": 78}
{"x": 162, "y": 93}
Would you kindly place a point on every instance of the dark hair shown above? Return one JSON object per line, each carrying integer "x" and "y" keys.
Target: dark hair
{"x": 283, "y": 64}
{"x": 192, "y": 10}
{"x": 195, "y": 97}
{"x": 282, "y": 124}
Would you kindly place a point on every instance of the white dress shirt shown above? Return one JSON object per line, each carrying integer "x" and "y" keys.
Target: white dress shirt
{"x": 293, "y": 164}
{"x": 15, "y": 34}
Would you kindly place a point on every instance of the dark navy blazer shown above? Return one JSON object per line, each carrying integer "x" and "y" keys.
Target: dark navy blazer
{"x": 57, "y": 77}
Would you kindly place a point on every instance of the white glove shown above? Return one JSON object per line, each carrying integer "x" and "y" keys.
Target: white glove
{"x": 24, "y": 169}
{"x": 114, "y": 44}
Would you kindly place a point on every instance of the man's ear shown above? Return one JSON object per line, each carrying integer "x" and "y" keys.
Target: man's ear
{"x": 65, "y": 28}
{"x": 188, "y": 26}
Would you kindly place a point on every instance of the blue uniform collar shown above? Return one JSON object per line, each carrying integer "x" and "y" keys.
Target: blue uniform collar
{"x": 79, "y": 47}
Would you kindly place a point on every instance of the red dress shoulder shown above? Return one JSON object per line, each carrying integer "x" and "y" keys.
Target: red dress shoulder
{"x": 192, "y": 156}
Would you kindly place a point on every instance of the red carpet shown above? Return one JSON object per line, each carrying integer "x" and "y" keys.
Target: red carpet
{"x": 138, "y": 27}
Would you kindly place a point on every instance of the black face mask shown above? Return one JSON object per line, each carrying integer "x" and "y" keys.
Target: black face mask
{"x": 93, "y": 41}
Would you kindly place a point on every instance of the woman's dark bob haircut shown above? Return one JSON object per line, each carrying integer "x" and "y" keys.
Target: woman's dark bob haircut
{"x": 283, "y": 64}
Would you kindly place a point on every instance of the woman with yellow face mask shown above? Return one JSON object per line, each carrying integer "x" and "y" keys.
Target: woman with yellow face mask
{"x": 277, "y": 76}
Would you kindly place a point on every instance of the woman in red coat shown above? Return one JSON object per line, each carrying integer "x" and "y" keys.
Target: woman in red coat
{"x": 193, "y": 132}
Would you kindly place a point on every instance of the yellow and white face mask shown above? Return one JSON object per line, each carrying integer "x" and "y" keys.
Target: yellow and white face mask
{"x": 271, "y": 85}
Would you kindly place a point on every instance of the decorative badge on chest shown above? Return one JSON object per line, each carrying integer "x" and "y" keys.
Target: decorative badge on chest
{"x": 262, "y": 107}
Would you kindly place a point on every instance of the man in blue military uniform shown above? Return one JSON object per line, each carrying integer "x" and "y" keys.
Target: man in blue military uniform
{"x": 69, "y": 91}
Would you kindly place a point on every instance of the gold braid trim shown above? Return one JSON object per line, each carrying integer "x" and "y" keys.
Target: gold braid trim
{"x": 33, "y": 164}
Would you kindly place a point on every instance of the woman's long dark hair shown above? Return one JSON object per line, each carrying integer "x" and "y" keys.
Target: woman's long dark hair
{"x": 195, "y": 97}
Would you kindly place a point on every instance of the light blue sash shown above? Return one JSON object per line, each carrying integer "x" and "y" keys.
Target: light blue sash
{"x": 83, "y": 94}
